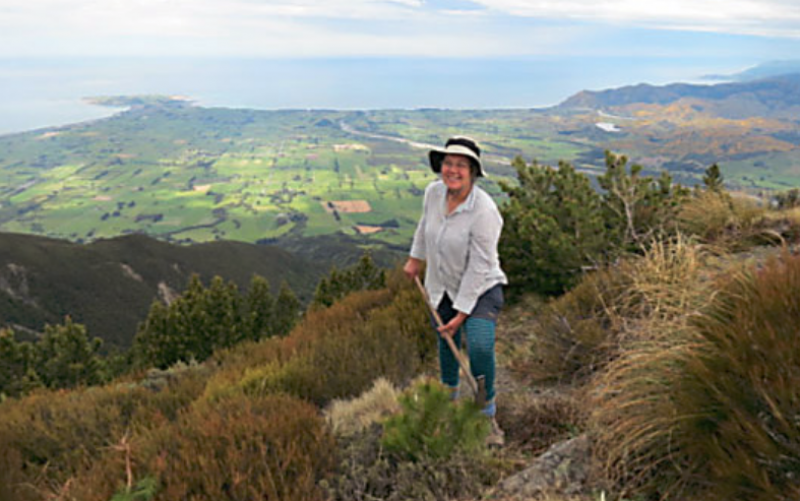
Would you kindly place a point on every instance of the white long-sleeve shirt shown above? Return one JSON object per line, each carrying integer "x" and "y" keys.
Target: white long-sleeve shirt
{"x": 460, "y": 248}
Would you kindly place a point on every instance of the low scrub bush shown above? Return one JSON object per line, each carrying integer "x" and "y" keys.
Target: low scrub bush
{"x": 344, "y": 348}
{"x": 535, "y": 422}
{"x": 239, "y": 448}
{"x": 273, "y": 447}
{"x": 367, "y": 473}
{"x": 48, "y": 438}
{"x": 430, "y": 449}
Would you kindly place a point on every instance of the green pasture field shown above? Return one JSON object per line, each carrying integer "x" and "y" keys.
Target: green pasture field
{"x": 773, "y": 171}
{"x": 192, "y": 174}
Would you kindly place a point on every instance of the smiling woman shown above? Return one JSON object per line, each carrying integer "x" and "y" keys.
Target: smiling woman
{"x": 457, "y": 236}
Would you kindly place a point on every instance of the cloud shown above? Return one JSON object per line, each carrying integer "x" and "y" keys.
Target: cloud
{"x": 299, "y": 28}
{"x": 282, "y": 28}
{"x": 764, "y": 17}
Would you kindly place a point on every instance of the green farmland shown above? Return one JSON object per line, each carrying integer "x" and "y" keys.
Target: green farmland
{"x": 189, "y": 174}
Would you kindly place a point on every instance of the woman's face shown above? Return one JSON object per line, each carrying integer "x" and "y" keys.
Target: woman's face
{"x": 456, "y": 173}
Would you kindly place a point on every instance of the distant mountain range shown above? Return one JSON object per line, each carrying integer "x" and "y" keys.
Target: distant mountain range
{"x": 108, "y": 285}
{"x": 764, "y": 70}
{"x": 771, "y": 97}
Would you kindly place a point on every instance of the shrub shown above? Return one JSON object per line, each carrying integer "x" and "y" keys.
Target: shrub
{"x": 339, "y": 351}
{"x": 637, "y": 208}
{"x": 431, "y": 425}
{"x": 788, "y": 199}
{"x": 431, "y": 449}
{"x": 50, "y": 437}
{"x": 273, "y": 447}
{"x": 367, "y": 473}
{"x": 553, "y": 228}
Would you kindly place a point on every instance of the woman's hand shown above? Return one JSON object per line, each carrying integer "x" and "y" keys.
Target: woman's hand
{"x": 412, "y": 267}
{"x": 450, "y": 328}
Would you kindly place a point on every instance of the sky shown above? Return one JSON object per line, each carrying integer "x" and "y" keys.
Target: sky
{"x": 752, "y": 30}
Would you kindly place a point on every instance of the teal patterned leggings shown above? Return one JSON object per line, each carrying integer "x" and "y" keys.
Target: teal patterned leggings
{"x": 480, "y": 346}
{"x": 479, "y": 328}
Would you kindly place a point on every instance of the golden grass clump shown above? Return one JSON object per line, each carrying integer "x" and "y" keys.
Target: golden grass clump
{"x": 582, "y": 331}
{"x": 348, "y": 417}
{"x": 736, "y": 222}
{"x": 631, "y": 416}
{"x": 738, "y": 396}
{"x": 569, "y": 339}
{"x": 705, "y": 407}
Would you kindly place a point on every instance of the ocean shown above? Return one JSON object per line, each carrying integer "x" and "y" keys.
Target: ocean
{"x": 36, "y": 93}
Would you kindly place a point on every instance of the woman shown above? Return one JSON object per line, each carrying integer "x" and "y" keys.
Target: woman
{"x": 457, "y": 235}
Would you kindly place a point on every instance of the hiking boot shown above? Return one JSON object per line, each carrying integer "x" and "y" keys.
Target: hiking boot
{"x": 496, "y": 437}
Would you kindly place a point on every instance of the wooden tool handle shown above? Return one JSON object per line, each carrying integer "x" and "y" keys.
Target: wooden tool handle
{"x": 448, "y": 339}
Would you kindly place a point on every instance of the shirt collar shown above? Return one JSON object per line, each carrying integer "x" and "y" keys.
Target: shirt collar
{"x": 469, "y": 203}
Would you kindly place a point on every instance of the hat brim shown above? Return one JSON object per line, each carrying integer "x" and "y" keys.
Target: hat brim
{"x": 436, "y": 156}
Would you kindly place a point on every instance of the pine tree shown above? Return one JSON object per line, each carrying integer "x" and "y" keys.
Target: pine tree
{"x": 712, "y": 179}
{"x": 636, "y": 206}
{"x": 287, "y": 308}
{"x": 17, "y": 374}
{"x": 260, "y": 305}
{"x": 220, "y": 324}
{"x": 553, "y": 227}
{"x": 364, "y": 275}
{"x": 65, "y": 358}
{"x": 157, "y": 343}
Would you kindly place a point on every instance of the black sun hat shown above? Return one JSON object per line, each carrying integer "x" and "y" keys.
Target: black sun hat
{"x": 457, "y": 145}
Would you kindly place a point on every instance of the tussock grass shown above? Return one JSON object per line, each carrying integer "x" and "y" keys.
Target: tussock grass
{"x": 632, "y": 417}
{"x": 348, "y": 417}
{"x": 703, "y": 403}
{"x": 578, "y": 334}
{"x": 736, "y": 223}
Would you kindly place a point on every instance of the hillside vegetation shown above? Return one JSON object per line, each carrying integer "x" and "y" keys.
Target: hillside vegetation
{"x": 108, "y": 285}
{"x": 669, "y": 343}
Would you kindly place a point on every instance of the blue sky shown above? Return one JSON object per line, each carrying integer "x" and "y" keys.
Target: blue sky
{"x": 745, "y": 30}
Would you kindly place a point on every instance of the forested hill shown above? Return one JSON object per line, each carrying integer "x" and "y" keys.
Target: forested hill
{"x": 774, "y": 97}
{"x": 108, "y": 285}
